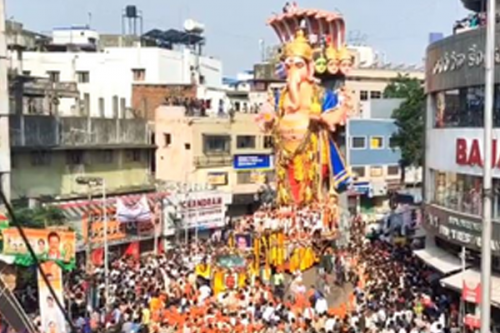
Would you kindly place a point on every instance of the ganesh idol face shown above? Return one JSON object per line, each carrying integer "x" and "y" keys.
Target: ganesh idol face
{"x": 298, "y": 70}
{"x": 333, "y": 66}
{"x": 345, "y": 66}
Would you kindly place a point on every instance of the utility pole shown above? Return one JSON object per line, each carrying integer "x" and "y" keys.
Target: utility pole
{"x": 489, "y": 64}
{"x": 4, "y": 109}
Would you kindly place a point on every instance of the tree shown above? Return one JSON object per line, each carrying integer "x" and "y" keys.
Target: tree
{"x": 409, "y": 119}
{"x": 40, "y": 217}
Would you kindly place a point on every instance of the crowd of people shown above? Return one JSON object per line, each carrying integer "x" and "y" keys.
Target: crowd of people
{"x": 368, "y": 286}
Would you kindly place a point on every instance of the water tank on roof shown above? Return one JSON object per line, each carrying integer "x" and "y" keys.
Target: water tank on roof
{"x": 193, "y": 26}
{"x": 131, "y": 11}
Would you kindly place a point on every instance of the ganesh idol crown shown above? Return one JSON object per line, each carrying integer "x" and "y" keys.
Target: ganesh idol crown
{"x": 308, "y": 113}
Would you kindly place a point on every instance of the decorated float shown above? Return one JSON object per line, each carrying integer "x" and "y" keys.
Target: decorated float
{"x": 306, "y": 116}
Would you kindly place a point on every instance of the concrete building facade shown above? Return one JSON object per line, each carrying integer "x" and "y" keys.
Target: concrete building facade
{"x": 229, "y": 153}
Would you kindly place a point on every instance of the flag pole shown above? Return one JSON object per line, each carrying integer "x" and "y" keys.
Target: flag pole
{"x": 489, "y": 64}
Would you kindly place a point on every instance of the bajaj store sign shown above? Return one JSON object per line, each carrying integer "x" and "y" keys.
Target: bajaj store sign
{"x": 461, "y": 229}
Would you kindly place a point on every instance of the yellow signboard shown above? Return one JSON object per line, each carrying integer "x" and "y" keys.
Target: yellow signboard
{"x": 217, "y": 178}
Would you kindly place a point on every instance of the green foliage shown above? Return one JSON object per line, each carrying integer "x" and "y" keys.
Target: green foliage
{"x": 41, "y": 217}
{"x": 409, "y": 118}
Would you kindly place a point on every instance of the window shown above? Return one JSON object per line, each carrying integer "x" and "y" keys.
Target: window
{"x": 101, "y": 107}
{"x": 376, "y": 142}
{"x": 167, "y": 138}
{"x": 216, "y": 144}
{"x": 139, "y": 74}
{"x": 245, "y": 141}
{"x": 74, "y": 157}
{"x": 392, "y": 142}
{"x": 375, "y": 94}
{"x": 268, "y": 142}
{"x": 26, "y": 73}
{"x": 376, "y": 171}
{"x": 363, "y": 95}
{"x": 244, "y": 177}
{"x": 53, "y": 76}
{"x": 83, "y": 76}
{"x": 393, "y": 170}
{"x": 86, "y": 104}
{"x": 358, "y": 142}
{"x": 359, "y": 172}
{"x": 134, "y": 155}
{"x": 187, "y": 146}
{"x": 104, "y": 156}
{"x": 40, "y": 158}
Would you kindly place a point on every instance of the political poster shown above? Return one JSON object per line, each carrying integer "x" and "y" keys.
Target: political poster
{"x": 52, "y": 318}
{"x": 48, "y": 244}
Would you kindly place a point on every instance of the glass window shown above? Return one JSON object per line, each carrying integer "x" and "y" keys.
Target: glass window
{"x": 358, "y": 142}
{"x": 216, "y": 144}
{"x": 40, "y": 158}
{"x": 103, "y": 157}
{"x": 393, "y": 170}
{"x": 83, "y": 76}
{"x": 54, "y": 76}
{"x": 376, "y": 142}
{"x": 363, "y": 95}
{"x": 359, "y": 171}
{"x": 74, "y": 157}
{"x": 376, "y": 171}
{"x": 244, "y": 177}
{"x": 268, "y": 142}
{"x": 134, "y": 155}
{"x": 245, "y": 141}
{"x": 392, "y": 142}
{"x": 375, "y": 94}
{"x": 458, "y": 192}
{"x": 139, "y": 74}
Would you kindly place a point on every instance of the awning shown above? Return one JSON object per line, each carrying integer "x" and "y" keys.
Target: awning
{"x": 473, "y": 277}
{"x": 75, "y": 209}
{"x": 439, "y": 259}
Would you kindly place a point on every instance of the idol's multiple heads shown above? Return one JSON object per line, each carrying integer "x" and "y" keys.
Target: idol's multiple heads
{"x": 323, "y": 59}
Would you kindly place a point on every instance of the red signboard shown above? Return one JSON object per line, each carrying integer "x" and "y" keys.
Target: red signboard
{"x": 469, "y": 153}
{"x": 471, "y": 294}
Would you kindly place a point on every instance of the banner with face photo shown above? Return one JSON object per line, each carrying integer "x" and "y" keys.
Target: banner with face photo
{"x": 52, "y": 319}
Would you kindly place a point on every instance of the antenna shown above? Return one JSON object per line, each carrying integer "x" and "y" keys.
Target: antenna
{"x": 89, "y": 24}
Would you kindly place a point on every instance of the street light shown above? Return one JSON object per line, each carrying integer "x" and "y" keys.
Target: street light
{"x": 92, "y": 182}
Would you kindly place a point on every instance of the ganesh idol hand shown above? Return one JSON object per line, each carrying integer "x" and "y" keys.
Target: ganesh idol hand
{"x": 334, "y": 118}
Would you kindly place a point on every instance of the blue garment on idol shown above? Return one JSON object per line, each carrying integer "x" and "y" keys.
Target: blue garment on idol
{"x": 341, "y": 176}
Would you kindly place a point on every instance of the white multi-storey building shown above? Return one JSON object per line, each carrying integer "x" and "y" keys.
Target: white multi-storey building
{"x": 105, "y": 77}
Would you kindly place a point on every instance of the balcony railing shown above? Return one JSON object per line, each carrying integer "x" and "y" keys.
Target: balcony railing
{"x": 48, "y": 131}
{"x": 213, "y": 161}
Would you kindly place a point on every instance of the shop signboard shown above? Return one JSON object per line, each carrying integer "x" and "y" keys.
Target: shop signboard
{"x": 48, "y": 244}
{"x": 462, "y": 229}
{"x": 217, "y": 178}
{"x": 253, "y": 162}
{"x": 205, "y": 210}
{"x": 458, "y": 61}
{"x": 461, "y": 151}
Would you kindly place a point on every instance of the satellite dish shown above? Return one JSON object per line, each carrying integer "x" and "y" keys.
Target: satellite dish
{"x": 191, "y": 25}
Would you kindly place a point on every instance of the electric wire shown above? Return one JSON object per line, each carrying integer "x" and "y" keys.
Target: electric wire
{"x": 14, "y": 221}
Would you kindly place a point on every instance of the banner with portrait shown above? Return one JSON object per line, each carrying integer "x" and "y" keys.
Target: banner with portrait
{"x": 48, "y": 244}
{"x": 52, "y": 318}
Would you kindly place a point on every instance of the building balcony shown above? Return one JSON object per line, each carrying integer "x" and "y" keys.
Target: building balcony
{"x": 206, "y": 161}
{"x": 49, "y": 132}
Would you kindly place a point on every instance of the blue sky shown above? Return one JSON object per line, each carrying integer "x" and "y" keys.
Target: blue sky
{"x": 398, "y": 28}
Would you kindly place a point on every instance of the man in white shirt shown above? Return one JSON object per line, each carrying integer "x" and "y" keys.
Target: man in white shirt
{"x": 321, "y": 306}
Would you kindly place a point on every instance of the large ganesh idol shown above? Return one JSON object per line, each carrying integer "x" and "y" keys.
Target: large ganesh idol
{"x": 305, "y": 116}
